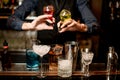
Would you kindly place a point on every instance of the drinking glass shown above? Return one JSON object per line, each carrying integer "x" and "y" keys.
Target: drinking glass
{"x": 32, "y": 60}
{"x": 64, "y": 16}
{"x": 64, "y": 67}
{"x": 74, "y": 52}
{"x": 87, "y": 60}
{"x": 83, "y": 51}
{"x": 41, "y": 50}
{"x": 49, "y": 9}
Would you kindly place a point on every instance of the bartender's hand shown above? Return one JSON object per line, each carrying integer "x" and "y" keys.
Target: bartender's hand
{"x": 39, "y": 23}
{"x": 71, "y": 25}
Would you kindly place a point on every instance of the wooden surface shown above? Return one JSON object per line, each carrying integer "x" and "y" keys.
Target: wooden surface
{"x": 19, "y": 69}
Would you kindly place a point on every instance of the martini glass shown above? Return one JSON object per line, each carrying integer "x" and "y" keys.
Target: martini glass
{"x": 41, "y": 50}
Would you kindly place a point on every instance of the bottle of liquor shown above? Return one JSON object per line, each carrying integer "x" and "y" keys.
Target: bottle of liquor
{"x": 1, "y": 4}
{"x": 0, "y": 64}
{"x": 6, "y": 60}
{"x": 55, "y": 52}
{"x": 6, "y": 4}
{"x": 112, "y": 60}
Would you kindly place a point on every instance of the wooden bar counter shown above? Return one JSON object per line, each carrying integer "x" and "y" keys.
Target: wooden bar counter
{"x": 19, "y": 70}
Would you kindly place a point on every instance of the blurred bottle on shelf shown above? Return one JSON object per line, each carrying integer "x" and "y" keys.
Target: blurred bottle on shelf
{"x": 7, "y": 7}
{"x": 1, "y": 4}
{"x": 5, "y": 57}
{"x": 112, "y": 60}
{"x": 114, "y": 8}
{"x": 6, "y": 3}
{"x": 0, "y": 64}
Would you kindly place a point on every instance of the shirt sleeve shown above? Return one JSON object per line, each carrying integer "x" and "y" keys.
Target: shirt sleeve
{"x": 16, "y": 20}
{"x": 87, "y": 16}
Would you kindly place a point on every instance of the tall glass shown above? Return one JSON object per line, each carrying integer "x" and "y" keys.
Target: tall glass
{"x": 74, "y": 52}
{"x": 64, "y": 66}
{"x": 83, "y": 51}
{"x": 87, "y": 60}
{"x": 41, "y": 50}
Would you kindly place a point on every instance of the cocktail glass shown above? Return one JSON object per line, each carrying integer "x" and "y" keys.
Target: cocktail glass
{"x": 87, "y": 60}
{"x": 49, "y": 9}
{"x": 41, "y": 50}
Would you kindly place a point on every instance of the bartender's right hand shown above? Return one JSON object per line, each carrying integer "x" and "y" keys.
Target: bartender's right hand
{"x": 39, "y": 23}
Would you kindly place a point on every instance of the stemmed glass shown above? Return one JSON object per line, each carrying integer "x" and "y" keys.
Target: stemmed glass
{"x": 65, "y": 15}
{"x": 87, "y": 58}
{"x": 41, "y": 50}
{"x": 49, "y": 9}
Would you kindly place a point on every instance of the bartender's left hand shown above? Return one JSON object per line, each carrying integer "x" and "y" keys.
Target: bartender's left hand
{"x": 71, "y": 25}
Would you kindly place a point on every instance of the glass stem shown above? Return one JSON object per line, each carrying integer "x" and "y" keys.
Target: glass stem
{"x": 87, "y": 70}
{"x": 41, "y": 67}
